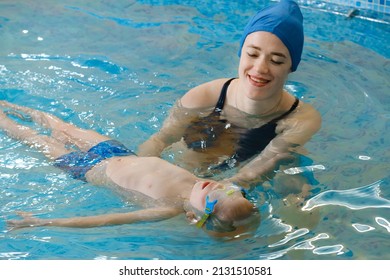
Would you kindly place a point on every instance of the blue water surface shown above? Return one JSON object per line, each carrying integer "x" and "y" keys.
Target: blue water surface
{"x": 118, "y": 66}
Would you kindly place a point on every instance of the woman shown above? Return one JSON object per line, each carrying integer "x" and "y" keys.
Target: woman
{"x": 250, "y": 122}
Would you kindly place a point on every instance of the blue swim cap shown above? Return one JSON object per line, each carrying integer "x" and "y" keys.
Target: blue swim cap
{"x": 284, "y": 20}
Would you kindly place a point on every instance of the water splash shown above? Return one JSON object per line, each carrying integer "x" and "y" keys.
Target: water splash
{"x": 355, "y": 199}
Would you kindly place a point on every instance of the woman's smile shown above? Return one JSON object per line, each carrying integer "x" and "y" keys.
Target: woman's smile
{"x": 258, "y": 81}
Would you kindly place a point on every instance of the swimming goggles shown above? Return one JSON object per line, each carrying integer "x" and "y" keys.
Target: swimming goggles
{"x": 209, "y": 208}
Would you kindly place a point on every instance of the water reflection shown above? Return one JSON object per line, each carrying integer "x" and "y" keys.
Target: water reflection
{"x": 355, "y": 199}
{"x": 305, "y": 245}
{"x": 362, "y": 228}
{"x": 325, "y": 250}
{"x": 383, "y": 222}
{"x": 290, "y": 236}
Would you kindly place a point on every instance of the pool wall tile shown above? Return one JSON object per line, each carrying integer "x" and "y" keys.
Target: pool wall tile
{"x": 382, "y": 6}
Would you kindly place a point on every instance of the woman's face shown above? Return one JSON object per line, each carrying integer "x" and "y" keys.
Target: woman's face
{"x": 264, "y": 65}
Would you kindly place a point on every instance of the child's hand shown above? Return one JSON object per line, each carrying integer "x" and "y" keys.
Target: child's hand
{"x": 27, "y": 221}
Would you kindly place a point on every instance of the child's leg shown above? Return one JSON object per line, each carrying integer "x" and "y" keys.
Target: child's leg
{"x": 61, "y": 131}
{"x": 50, "y": 147}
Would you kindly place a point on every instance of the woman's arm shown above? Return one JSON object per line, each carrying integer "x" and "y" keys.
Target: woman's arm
{"x": 152, "y": 214}
{"x": 171, "y": 132}
{"x": 180, "y": 116}
{"x": 293, "y": 134}
{"x": 260, "y": 169}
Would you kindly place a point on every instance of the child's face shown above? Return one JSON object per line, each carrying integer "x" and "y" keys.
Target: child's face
{"x": 212, "y": 189}
{"x": 224, "y": 205}
{"x": 199, "y": 192}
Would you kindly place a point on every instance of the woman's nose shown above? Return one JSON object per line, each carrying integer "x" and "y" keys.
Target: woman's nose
{"x": 261, "y": 66}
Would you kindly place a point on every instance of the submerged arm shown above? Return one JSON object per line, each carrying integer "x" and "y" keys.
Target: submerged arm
{"x": 152, "y": 214}
{"x": 260, "y": 169}
{"x": 172, "y": 130}
{"x": 181, "y": 115}
{"x": 292, "y": 135}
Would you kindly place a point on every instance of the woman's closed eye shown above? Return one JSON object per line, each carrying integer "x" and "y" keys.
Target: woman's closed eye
{"x": 252, "y": 54}
{"x": 274, "y": 60}
{"x": 277, "y": 62}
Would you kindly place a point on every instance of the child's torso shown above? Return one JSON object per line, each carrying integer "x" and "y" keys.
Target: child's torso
{"x": 150, "y": 176}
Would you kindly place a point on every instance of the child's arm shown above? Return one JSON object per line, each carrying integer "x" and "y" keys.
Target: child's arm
{"x": 152, "y": 214}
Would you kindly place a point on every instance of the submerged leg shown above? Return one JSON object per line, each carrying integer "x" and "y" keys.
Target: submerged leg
{"x": 50, "y": 147}
{"x": 61, "y": 131}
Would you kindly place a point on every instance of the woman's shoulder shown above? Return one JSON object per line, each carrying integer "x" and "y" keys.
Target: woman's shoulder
{"x": 306, "y": 116}
{"x": 306, "y": 110}
{"x": 299, "y": 126}
{"x": 203, "y": 95}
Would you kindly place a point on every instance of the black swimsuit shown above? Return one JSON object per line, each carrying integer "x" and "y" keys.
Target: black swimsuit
{"x": 203, "y": 134}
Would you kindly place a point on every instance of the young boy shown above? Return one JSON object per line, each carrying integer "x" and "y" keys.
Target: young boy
{"x": 214, "y": 206}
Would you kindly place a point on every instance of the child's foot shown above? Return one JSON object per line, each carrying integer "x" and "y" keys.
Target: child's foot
{"x": 3, "y": 120}
{"x": 13, "y": 111}
{"x": 19, "y": 115}
{"x": 2, "y": 115}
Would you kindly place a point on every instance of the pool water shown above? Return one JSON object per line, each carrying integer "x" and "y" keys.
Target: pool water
{"x": 118, "y": 66}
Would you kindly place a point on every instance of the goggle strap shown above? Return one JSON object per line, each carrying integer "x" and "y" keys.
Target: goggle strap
{"x": 209, "y": 208}
{"x": 201, "y": 222}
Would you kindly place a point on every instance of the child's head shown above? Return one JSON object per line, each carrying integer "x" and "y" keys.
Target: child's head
{"x": 223, "y": 209}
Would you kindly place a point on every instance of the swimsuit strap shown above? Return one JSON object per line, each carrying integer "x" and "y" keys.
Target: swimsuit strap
{"x": 293, "y": 107}
{"x": 221, "y": 101}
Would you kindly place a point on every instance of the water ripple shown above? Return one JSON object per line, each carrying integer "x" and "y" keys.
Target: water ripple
{"x": 14, "y": 255}
{"x": 290, "y": 236}
{"x": 326, "y": 250}
{"x": 362, "y": 228}
{"x": 383, "y": 222}
{"x": 355, "y": 199}
{"x": 305, "y": 245}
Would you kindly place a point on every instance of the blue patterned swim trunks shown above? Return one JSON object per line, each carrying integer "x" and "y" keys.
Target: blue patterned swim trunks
{"x": 79, "y": 163}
